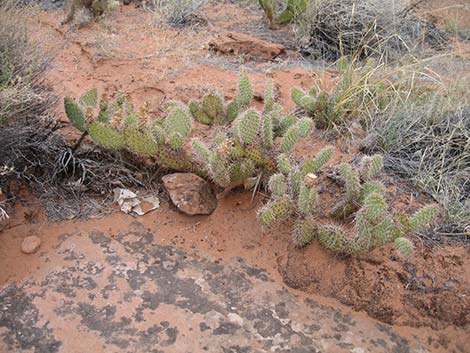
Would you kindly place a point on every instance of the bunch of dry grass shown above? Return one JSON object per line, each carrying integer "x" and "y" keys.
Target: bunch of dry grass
{"x": 23, "y": 91}
{"x": 178, "y": 12}
{"x": 330, "y": 29}
{"x": 426, "y": 140}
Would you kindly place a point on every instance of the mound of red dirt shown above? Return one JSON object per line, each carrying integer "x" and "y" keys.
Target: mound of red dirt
{"x": 431, "y": 288}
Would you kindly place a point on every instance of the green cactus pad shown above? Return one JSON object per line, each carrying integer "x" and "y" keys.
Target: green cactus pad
{"x": 267, "y": 133}
{"x": 268, "y": 97}
{"x": 105, "y": 136}
{"x": 423, "y": 217}
{"x": 404, "y": 246}
{"x": 248, "y": 126}
{"x": 370, "y": 166}
{"x": 351, "y": 181}
{"x": 157, "y": 133}
{"x": 255, "y": 154}
{"x": 203, "y": 154}
{"x": 370, "y": 188}
{"x": 332, "y": 238}
{"x": 285, "y": 124}
{"x": 283, "y": 163}
{"x": 245, "y": 91}
{"x": 308, "y": 103}
{"x": 75, "y": 114}
{"x": 171, "y": 159}
{"x": 241, "y": 171}
{"x": 178, "y": 120}
{"x": 289, "y": 139}
{"x": 296, "y": 95}
{"x": 233, "y": 108}
{"x": 175, "y": 140}
{"x": 198, "y": 113}
{"x": 305, "y": 230}
{"x": 89, "y": 98}
{"x": 213, "y": 106}
{"x": 305, "y": 126}
{"x": 277, "y": 184}
{"x": 307, "y": 199}
{"x": 374, "y": 207}
{"x": 139, "y": 142}
{"x": 275, "y": 210}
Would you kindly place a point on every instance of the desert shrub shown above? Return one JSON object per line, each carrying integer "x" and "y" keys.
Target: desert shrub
{"x": 177, "y": 12}
{"x": 426, "y": 141}
{"x": 330, "y": 29}
{"x": 23, "y": 92}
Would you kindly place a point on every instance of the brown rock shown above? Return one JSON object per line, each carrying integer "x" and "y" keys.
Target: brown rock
{"x": 190, "y": 194}
{"x": 30, "y": 244}
{"x": 238, "y": 43}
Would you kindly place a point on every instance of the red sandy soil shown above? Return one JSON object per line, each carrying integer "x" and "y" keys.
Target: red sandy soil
{"x": 427, "y": 296}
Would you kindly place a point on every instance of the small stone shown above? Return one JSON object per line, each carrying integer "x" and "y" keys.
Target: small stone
{"x": 30, "y": 244}
{"x": 235, "y": 319}
{"x": 190, "y": 193}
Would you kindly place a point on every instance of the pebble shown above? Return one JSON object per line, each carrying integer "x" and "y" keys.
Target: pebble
{"x": 30, "y": 244}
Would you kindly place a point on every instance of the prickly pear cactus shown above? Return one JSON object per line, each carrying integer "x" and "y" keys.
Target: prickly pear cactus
{"x": 106, "y": 136}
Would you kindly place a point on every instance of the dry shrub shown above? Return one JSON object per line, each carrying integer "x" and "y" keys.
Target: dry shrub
{"x": 178, "y": 12}
{"x": 330, "y": 29}
{"x": 66, "y": 180}
{"x": 23, "y": 92}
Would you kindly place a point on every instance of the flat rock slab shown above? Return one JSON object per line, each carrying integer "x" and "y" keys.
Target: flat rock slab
{"x": 127, "y": 293}
{"x": 238, "y": 43}
{"x": 190, "y": 193}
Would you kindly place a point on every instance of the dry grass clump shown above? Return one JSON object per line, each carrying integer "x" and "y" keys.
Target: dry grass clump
{"x": 427, "y": 141}
{"x": 23, "y": 92}
{"x": 178, "y": 12}
{"x": 330, "y": 29}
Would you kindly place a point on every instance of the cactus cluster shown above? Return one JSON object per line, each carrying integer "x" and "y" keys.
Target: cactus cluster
{"x": 375, "y": 226}
{"x": 294, "y": 187}
{"x": 248, "y": 148}
{"x": 329, "y": 108}
{"x": 115, "y": 125}
{"x": 362, "y": 221}
{"x": 358, "y": 184}
{"x": 211, "y": 109}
